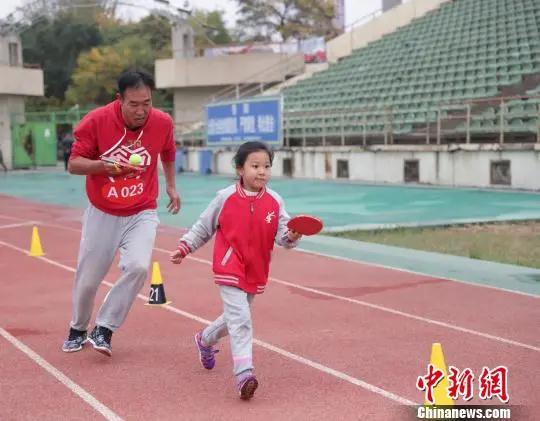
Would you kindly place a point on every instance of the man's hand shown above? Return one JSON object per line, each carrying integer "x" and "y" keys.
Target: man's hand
{"x": 176, "y": 257}
{"x": 116, "y": 170}
{"x": 86, "y": 166}
{"x": 294, "y": 236}
{"x": 174, "y": 202}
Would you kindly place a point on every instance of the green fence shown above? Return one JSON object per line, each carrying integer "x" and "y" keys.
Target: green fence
{"x": 35, "y": 142}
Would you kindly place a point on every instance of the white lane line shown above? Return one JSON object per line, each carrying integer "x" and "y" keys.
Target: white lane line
{"x": 61, "y": 377}
{"x": 385, "y": 309}
{"x": 22, "y": 224}
{"x": 413, "y": 316}
{"x": 13, "y": 218}
{"x": 16, "y": 218}
{"x": 52, "y": 262}
{"x": 359, "y": 302}
{"x": 328, "y": 370}
{"x": 358, "y": 262}
{"x": 297, "y": 358}
{"x": 380, "y": 265}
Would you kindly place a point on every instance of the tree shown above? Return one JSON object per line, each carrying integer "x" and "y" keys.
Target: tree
{"x": 34, "y": 9}
{"x": 80, "y": 44}
{"x": 209, "y": 29}
{"x": 154, "y": 29}
{"x": 262, "y": 19}
{"x": 137, "y": 46}
{"x": 94, "y": 80}
{"x": 55, "y": 46}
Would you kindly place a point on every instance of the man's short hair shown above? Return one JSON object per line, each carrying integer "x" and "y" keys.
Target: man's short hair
{"x": 135, "y": 79}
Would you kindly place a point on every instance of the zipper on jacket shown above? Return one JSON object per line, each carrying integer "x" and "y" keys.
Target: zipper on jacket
{"x": 227, "y": 256}
{"x": 249, "y": 245}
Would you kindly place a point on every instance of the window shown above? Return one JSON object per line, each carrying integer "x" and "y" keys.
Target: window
{"x": 13, "y": 54}
{"x": 342, "y": 168}
{"x": 287, "y": 167}
{"x": 501, "y": 173}
{"x": 411, "y": 171}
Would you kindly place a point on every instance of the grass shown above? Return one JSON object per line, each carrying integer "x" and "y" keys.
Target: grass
{"x": 513, "y": 243}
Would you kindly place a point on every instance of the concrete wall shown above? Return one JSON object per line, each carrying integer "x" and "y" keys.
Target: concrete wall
{"x": 21, "y": 81}
{"x": 182, "y": 40}
{"x": 196, "y": 80}
{"x": 226, "y": 70}
{"x": 15, "y": 83}
{"x": 389, "y": 4}
{"x": 310, "y": 70}
{"x": 384, "y": 24}
{"x": 442, "y": 165}
{"x": 189, "y": 103}
{"x": 4, "y": 50}
{"x": 9, "y": 106}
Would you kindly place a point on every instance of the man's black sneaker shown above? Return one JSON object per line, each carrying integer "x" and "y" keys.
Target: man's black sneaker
{"x": 100, "y": 338}
{"x": 75, "y": 340}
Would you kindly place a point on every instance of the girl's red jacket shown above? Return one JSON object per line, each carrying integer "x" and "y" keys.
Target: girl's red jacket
{"x": 246, "y": 228}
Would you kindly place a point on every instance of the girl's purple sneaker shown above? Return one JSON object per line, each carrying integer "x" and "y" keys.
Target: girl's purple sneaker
{"x": 246, "y": 384}
{"x": 206, "y": 353}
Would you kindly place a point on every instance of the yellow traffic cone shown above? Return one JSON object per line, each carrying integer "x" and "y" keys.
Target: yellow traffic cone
{"x": 440, "y": 392}
{"x": 157, "y": 291}
{"x": 35, "y": 246}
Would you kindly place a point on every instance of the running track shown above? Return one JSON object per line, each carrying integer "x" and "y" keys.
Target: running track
{"x": 335, "y": 339}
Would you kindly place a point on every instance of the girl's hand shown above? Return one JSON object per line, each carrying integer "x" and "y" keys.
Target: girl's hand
{"x": 176, "y": 257}
{"x": 294, "y": 236}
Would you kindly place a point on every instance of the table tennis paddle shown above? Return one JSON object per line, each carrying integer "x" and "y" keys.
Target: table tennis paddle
{"x": 305, "y": 224}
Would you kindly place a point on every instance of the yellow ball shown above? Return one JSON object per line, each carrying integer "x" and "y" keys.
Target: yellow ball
{"x": 135, "y": 159}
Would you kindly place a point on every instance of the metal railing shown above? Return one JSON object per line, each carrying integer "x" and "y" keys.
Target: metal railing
{"x": 70, "y": 116}
{"x": 252, "y": 85}
{"x": 498, "y": 120}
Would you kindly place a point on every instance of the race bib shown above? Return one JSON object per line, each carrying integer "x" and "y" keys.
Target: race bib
{"x": 124, "y": 192}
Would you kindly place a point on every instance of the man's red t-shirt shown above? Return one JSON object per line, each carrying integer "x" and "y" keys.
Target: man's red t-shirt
{"x": 102, "y": 132}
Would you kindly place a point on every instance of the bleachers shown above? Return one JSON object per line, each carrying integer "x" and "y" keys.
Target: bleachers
{"x": 466, "y": 50}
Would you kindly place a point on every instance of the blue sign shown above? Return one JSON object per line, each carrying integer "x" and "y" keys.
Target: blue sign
{"x": 236, "y": 122}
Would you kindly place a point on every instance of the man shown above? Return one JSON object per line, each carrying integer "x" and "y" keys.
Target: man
{"x": 67, "y": 144}
{"x": 2, "y": 161}
{"x": 122, "y": 213}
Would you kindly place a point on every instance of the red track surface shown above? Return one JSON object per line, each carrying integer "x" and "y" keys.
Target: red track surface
{"x": 374, "y": 325}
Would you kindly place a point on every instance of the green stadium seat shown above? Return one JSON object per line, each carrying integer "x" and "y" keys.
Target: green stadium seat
{"x": 466, "y": 49}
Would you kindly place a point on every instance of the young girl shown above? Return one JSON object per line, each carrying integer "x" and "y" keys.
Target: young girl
{"x": 248, "y": 217}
